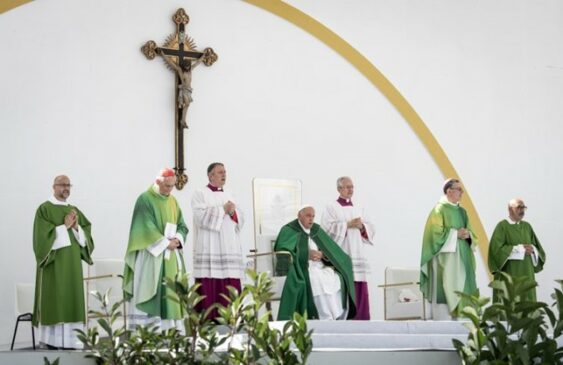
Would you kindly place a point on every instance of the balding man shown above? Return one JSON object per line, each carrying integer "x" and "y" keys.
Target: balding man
{"x": 320, "y": 281}
{"x": 61, "y": 240}
{"x": 515, "y": 248}
{"x": 154, "y": 252}
{"x": 348, "y": 225}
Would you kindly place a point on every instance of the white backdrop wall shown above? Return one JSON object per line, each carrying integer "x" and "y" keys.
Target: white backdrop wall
{"x": 78, "y": 97}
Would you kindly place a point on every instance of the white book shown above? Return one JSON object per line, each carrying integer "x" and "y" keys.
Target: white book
{"x": 170, "y": 230}
{"x": 518, "y": 253}
{"x": 169, "y": 233}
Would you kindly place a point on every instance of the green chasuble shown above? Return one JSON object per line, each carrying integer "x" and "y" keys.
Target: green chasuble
{"x": 59, "y": 288}
{"x": 297, "y": 295}
{"x": 505, "y": 237}
{"x": 455, "y": 270}
{"x": 151, "y": 214}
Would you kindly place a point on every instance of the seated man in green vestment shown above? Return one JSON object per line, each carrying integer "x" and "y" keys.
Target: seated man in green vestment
{"x": 320, "y": 280}
{"x": 447, "y": 262}
{"x": 515, "y": 248}
{"x": 154, "y": 252}
{"x": 61, "y": 241}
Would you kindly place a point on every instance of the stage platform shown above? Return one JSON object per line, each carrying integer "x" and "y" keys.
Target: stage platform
{"x": 335, "y": 342}
{"x": 396, "y": 335}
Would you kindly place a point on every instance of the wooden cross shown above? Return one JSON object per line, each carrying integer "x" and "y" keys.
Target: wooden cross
{"x": 180, "y": 54}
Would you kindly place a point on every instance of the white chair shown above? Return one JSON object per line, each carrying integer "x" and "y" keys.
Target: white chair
{"x": 25, "y": 294}
{"x": 105, "y": 274}
{"x": 403, "y": 299}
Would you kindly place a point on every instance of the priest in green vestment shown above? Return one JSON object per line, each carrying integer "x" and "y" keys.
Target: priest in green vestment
{"x": 320, "y": 280}
{"x": 447, "y": 262}
{"x": 154, "y": 252}
{"x": 515, "y": 248}
{"x": 61, "y": 241}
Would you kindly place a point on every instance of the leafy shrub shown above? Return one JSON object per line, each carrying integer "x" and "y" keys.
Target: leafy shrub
{"x": 512, "y": 330}
{"x": 249, "y": 338}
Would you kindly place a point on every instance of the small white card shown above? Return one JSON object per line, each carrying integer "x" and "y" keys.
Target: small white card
{"x": 170, "y": 231}
{"x": 518, "y": 253}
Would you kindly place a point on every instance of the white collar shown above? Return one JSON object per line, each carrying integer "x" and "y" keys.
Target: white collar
{"x": 510, "y": 221}
{"x": 55, "y": 201}
{"x": 156, "y": 189}
{"x": 308, "y": 231}
{"x": 444, "y": 199}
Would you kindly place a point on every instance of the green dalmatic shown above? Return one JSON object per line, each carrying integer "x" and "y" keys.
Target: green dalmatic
{"x": 59, "y": 288}
{"x": 505, "y": 237}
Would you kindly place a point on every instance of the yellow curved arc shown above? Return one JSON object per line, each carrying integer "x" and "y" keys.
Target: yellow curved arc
{"x": 6, "y": 5}
{"x": 364, "y": 66}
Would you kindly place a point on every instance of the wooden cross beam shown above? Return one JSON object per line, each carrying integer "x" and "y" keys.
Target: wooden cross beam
{"x": 180, "y": 54}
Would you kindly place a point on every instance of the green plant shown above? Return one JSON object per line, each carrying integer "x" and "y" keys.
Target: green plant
{"x": 111, "y": 349}
{"x": 512, "y": 331}
{"x": 200, "y": 343}
{"x": 244, "y": 318}
{"x": 261, "y": 341}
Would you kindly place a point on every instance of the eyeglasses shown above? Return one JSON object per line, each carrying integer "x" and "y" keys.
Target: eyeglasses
{"x": 458, "y": 189}
{"x": 64, "y": 185}
{"x": 523, "y": 207}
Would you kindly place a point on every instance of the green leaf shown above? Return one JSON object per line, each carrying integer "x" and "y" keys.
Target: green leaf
{"x": 105, "y": 325}
{"x": 557, "y": 330}
{"x": 518, "y": 324}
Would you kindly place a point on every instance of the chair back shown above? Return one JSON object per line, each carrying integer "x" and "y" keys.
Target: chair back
{"x": 25, "y": 295}
{"x": 103, "y": 275}
{"x": 402, "y": 296}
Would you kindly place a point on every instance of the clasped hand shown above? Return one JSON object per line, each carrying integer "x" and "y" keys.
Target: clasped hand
{"x": 356, "y": 223}
{"x": 173, "y": 244}
{"x": 463, "y": 234}
{"x": 315, "y": 255}
{"x": 71, "y": 220}
{"x": 229, "y": 207}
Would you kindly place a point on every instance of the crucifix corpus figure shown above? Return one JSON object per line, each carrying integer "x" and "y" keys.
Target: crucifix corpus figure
{"x": 184, "y": 72}
{"x": 181, "y": 56}
{"x": 185, "y": 86}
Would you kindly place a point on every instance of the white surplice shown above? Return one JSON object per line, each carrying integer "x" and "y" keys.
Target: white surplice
{"x": 217, "y": 247}
{"x": 335, "y": 220}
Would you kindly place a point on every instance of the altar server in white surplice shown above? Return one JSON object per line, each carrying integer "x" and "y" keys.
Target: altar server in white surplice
{"x": 347, "y": 224}
{"x": 217, "y": 249}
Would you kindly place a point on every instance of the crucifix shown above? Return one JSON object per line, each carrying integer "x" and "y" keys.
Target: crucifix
{"x": 181, "y": 56}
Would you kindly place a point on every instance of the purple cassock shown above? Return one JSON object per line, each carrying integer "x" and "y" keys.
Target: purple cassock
{"x": 212, "y": 290}
{"x": 362, "y": 301}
